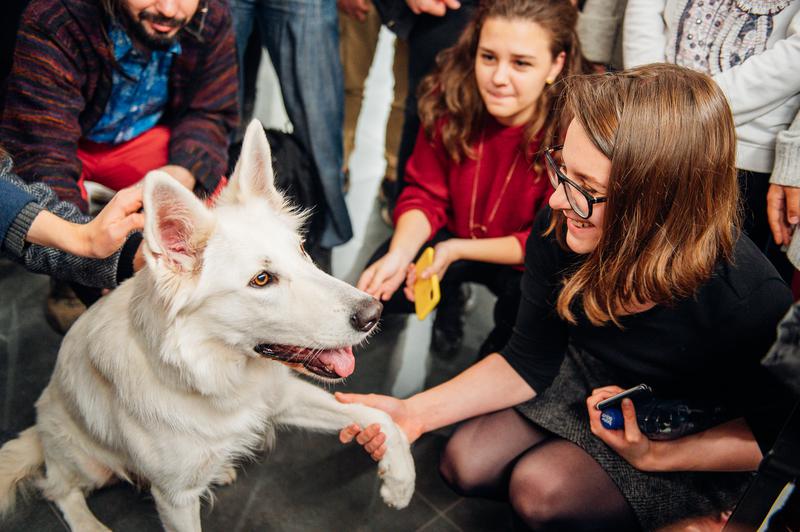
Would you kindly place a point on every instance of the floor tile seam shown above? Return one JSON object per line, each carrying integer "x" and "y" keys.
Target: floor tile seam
{"x": 440, "y": 514}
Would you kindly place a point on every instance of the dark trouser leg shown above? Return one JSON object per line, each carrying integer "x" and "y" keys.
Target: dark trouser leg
{"x": 505, "y": 284}
{"x": 753, "y": 187}
{"x": 429, "y": 36}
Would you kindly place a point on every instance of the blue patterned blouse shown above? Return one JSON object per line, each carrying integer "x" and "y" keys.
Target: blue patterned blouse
{"x": 138, "y": 94}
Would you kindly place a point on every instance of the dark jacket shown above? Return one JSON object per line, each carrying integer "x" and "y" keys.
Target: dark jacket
{"x": 61, "y": 81}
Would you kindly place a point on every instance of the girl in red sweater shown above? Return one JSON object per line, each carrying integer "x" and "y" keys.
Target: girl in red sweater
{"x": 476, "y": 179}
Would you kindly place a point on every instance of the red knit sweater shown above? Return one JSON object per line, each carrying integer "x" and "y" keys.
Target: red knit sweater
{"x": 444, "y": 190}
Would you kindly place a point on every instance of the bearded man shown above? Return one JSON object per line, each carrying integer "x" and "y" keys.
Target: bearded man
{"x": 107, "y": 90}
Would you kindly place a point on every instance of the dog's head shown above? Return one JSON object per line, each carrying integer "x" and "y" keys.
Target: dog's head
{"x": 237, "y": 275}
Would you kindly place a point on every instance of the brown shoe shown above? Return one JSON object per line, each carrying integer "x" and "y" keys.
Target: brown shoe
{"x": 62, "y": 307}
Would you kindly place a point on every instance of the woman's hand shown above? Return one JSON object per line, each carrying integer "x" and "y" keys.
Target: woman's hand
{"x": 783, "y": 212}
{"x": 106, "y": 233}
{"x": 628, "y": 442}
{"x": 445, "y": 253}
{"x": 97, "y": 239}
{"x": 371, "y": 437}
{"x": 384, "y": 276}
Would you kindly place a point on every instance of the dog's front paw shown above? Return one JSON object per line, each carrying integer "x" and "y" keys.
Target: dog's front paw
{"x": 396, "y": 469}
{"x": 397, "y": 487}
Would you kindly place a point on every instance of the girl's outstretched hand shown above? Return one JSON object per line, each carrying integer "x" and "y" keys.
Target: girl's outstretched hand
{"x": 384, "y": 276}
{"x": 371, "y": 437}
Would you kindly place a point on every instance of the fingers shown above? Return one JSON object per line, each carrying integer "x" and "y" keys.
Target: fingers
{"x": 632, "y": 432}
{"x": 378, "y": 454}
{"x": 452, "y": 4}
{"x": 378, "y": 278}
{"x": 412, "y": 5}
{"x": 347, "y": 434}
{"x": 390, "y": 285}
{"x": 776, "y": 214}
{"x": 365, "y": 279}
{"x": 431, "y": 7}
{"x": 368, "y": 434}
{"x": 349, "y": 397}
{"x": 133, "y": 222}
{"x": 130, "y": 199}
{"x": 411, "y": 279}
{"x": 792, "y": 204}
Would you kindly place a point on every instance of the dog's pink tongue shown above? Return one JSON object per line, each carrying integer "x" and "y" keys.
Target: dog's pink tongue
{"x": 342, "y": 360}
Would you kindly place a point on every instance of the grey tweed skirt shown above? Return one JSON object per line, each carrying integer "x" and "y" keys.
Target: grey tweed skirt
{"x": 657, "y": 499}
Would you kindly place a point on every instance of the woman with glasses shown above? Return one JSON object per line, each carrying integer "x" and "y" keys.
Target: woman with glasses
{"x": 637, "y": 274}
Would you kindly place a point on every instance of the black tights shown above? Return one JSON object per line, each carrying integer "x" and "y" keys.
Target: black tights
{"x": 551, "y": 483}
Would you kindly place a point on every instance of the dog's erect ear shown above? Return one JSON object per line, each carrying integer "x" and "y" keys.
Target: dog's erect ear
{"x": 177, "y": 224}
{"x": 253, "y": 176}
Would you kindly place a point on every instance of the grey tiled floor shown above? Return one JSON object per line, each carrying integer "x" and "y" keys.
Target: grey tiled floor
{"x": 309, "y": 481}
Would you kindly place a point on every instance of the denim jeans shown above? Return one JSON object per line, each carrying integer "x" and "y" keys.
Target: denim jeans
{"x": 302, "y": 39}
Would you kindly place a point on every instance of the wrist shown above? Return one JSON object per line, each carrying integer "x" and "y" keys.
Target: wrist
{"x": 656, "y": 459}
{"x": 456, "y": 248}
{"x": 83, "y": 240}
{"x": 402, "y": 254}
{"x": 416, "y": 425}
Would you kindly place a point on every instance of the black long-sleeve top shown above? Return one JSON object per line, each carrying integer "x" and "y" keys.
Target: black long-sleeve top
{"x": 706, "y": 348}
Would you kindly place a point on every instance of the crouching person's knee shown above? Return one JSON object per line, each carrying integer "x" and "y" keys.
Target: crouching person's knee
{"x": 459, "y": 473}
{"x": 538, "y": 503}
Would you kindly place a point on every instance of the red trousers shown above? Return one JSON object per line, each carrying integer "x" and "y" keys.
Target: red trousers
{"x": 125, "y": 164}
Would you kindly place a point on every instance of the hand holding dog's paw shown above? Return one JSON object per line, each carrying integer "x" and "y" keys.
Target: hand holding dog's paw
{"x": 396, "y": 469}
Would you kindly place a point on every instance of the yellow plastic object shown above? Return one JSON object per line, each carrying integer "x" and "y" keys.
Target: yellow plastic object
{"x": 426, "y": 291}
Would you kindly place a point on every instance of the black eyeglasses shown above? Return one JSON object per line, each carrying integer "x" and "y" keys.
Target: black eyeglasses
{"x": 579, "y": 198}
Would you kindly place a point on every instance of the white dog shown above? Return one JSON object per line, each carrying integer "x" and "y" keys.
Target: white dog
{"x": 185, "y": 368}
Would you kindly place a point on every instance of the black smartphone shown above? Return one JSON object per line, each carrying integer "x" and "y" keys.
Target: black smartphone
{"x": 637, "y": 392}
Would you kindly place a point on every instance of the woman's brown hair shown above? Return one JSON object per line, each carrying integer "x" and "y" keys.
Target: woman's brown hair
{"x": 673, "y": 198}
{"x": 451, "y": 91}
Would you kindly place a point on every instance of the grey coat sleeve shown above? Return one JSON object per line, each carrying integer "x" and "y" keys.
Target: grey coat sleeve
{"x": 99, "y": 273}
{"x": 787, "y": 156}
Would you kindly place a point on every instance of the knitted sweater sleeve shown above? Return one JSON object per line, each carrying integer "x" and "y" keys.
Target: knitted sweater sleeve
{"x": 40, "y": 126}
{"x": 787, "y": 156}
{"x": 100, "y": 273}
{"x": 200, "y": 137}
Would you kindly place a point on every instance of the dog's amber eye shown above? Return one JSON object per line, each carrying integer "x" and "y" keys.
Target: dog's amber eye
{"x": 261, "y": 279}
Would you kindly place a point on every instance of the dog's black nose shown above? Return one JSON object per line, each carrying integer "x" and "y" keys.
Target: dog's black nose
{"x": 367, "y": 315}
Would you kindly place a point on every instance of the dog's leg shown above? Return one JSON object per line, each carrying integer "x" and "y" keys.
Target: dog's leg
{"x": 312, "y": 408}
{"x": 178, "y": 514}
{"x": 77, "y": 514}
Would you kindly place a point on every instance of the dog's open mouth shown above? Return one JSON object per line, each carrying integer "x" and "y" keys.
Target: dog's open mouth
{"x": 328, "y": 363}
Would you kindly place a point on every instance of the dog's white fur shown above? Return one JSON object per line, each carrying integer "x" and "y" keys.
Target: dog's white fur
{"x": 159, "y": 382}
